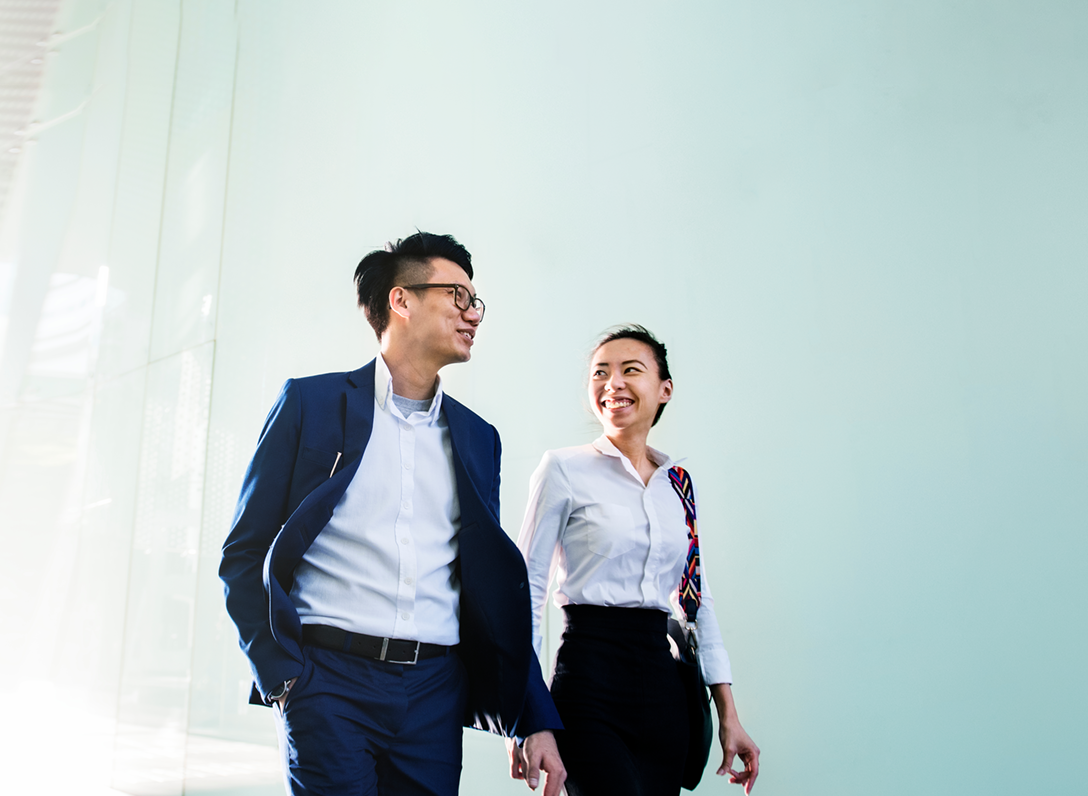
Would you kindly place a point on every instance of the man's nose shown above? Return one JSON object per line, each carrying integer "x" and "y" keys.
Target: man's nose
{"x": 472, "y": 315}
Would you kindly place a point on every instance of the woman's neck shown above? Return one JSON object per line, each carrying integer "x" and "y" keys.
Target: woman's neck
{"x": 634, "y": 447}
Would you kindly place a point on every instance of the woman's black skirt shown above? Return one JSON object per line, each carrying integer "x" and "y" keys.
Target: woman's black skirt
{"x": 621, "y": 702}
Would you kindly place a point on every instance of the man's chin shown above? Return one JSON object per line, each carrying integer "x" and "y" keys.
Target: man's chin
{"x": 457, "y": 357}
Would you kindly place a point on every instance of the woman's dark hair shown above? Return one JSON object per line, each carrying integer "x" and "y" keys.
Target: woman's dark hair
{"x": 408, "y": 261}
{"x": 643, "y": 335}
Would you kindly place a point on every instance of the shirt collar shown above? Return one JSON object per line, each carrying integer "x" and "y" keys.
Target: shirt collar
{"x": 383, "y": 388}
{"x": 604, "y": 445}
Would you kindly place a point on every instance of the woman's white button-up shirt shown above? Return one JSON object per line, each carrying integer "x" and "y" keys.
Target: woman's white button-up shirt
{"x": 608, "y": 539}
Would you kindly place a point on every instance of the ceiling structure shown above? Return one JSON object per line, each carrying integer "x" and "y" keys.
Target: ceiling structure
{"x": 25, "y": 29}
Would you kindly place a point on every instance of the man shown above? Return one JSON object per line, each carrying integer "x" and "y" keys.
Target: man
{"x": 379, "y": 603}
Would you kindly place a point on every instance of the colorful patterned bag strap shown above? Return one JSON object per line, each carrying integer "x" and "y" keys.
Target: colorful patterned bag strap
{"x": 690, "y": 583}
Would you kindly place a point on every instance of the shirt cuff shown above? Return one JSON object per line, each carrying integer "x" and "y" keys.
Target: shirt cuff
{"x": 715, "y": 667}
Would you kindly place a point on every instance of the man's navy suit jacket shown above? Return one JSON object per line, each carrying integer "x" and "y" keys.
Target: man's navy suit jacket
{"x": 287, "y": 498}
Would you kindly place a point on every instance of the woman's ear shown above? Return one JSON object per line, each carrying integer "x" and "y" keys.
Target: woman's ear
{"x": 666, "y": 391}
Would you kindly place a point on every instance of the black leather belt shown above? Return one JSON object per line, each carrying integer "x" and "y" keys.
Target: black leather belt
{"x": 390, "y": 650}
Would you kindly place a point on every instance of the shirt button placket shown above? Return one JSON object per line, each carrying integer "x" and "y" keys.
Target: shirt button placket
{"x": 655, "y": 544}
{"x": 406, "y": 595}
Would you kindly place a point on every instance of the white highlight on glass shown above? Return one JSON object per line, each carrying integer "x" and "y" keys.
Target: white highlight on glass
{"x": 103, "y": 286}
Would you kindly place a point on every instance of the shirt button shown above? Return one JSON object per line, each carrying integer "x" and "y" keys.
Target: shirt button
{"x": 404, "y": 540}
{"x": 405, "y": 615}
{"x": 408, "y": 581}
{"x": 405, "y": 505}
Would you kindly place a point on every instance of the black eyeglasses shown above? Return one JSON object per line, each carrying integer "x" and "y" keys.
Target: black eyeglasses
{"x": 462, "y": 299}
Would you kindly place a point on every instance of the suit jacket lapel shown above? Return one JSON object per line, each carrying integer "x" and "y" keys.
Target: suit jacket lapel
{"x": 358, "y": 415}
{"x": 468, "y": 492}
{"x": 358, "y": 418}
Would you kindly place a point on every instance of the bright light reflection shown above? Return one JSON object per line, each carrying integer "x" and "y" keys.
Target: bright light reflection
{"x": 40, "y": 723}
{"x": 103, "y": 286}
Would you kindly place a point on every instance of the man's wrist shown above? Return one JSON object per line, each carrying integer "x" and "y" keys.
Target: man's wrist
{"x": 280, "y": 692}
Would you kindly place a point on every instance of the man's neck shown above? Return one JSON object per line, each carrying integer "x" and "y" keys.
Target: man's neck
{"x": 413, "y": 376}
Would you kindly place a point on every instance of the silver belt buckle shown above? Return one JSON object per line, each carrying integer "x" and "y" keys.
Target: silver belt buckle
{"x": 385, "y": 648}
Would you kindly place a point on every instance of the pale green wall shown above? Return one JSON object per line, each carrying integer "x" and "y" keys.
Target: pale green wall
{"x": 859, "y": 226}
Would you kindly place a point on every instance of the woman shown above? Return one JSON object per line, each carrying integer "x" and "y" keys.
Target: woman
{"x": 604, "y": 519}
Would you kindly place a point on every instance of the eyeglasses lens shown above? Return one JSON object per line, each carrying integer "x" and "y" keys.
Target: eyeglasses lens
{"x": 464, "y": 303}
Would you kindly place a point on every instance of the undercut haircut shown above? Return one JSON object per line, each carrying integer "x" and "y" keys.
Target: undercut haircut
{"x": 643, "y": 335}
{"x": 406, "y": 262}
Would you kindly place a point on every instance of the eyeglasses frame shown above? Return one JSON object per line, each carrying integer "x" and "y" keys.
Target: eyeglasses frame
{"x": 474, "y": 303}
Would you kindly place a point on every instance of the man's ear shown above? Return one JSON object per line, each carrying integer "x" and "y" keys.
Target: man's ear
{"x": 398, "y": 302}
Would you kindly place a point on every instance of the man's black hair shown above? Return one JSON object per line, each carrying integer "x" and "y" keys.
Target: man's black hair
{"x": 408, "y": 261}
{"x": 642, "y": 335}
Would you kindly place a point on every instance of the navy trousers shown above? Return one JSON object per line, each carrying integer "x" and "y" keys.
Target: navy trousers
{"x": 363, "y": 727}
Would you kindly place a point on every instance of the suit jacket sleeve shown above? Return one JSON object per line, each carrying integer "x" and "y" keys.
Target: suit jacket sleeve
{"x": 261, "y": 512}
{"x": 539, "y": 711}
{"x": 493, "y": 499}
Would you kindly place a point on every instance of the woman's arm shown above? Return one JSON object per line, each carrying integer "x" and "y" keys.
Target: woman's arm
{"x": 734, "y": 740}
{"x": 716, "y": 669}
{"x": 546, "y": 516}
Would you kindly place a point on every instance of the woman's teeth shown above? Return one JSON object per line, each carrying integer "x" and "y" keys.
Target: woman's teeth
{"x": 616, "y": 403}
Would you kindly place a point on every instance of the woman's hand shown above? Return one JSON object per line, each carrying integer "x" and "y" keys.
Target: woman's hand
{"x": 517, "y": 759}
{"x": 734, "y": 740}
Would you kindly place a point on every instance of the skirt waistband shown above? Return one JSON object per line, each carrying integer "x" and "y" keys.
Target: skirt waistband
{"x": 608, "y": 619}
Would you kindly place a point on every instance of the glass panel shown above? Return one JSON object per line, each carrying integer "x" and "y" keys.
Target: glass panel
{"x": 93, "y": 629}
{"x": 141, "y": 175}
{"x": 196, "y": 179}
{"x": 156, "y": 674}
